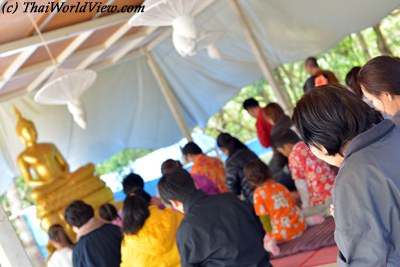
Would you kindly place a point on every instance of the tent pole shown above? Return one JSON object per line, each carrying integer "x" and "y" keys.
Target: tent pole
{"x": 12, "y": 254}
{"x": 266, "y": 69}
{"x": 168, "y": 94}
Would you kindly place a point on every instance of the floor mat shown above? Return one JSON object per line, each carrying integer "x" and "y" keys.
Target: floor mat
{"x": 316, "y": 237}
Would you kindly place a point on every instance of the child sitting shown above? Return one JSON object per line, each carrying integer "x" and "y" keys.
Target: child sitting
{"x": 281, "y": 218}
{"x": 58, "y": 238}
{"x": 109, "y": 214}
{"x": 313, "y": 177}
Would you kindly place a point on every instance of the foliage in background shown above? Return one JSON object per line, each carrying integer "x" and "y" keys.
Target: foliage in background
{"x": 120, "y": 160}
{"x": 340, "y": 59}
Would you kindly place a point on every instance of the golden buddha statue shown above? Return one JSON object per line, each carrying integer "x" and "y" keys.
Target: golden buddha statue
{"x": 54, "y": 186}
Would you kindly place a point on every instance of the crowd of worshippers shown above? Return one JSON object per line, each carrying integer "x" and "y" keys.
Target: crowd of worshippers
{"x": 336, "y": 156}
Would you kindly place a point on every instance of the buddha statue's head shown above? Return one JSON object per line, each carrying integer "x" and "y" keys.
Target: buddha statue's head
{"x": 25, "y": 129}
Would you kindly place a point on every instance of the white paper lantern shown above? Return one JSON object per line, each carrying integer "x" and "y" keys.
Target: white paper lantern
{"x": 65, "y": 87}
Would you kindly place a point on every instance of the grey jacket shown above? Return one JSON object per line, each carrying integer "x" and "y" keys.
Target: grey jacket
{"x": 366, "y": 196}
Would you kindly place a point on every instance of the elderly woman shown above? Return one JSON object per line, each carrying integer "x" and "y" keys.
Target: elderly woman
{"x": 344, "y": 131}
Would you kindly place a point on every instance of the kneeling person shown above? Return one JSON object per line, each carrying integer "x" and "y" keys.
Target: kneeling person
{"x": 217, "y": 230}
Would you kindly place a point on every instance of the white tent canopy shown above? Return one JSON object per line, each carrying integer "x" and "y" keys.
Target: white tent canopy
{"x": 126, "y": 109}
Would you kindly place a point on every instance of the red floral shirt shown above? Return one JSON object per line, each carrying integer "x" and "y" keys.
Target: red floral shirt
{"x": 320, "y": 178}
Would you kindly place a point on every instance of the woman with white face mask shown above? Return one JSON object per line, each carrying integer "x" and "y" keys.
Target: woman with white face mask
{"x": 380, "y": 83}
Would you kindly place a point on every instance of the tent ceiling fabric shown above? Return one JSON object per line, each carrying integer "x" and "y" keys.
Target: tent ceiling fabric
{"x": 125, "y": 106}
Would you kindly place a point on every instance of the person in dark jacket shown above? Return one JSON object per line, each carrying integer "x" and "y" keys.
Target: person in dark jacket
{"x": 99, "y": 244}
{"x": 238, "y": 156}
{"x": 366, "y": 194}
{"x": 274, "y": 114}
{"x": 217, "y": 230}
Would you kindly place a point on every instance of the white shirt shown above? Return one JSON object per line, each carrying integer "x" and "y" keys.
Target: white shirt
{"x": 61, "y": 258}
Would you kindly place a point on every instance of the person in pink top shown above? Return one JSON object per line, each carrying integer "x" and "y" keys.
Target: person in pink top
{"x": 201, "y": 181}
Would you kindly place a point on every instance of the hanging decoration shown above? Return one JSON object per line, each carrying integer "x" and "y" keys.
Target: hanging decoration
{"x": 187, "y": 37}
{"x": 65, "y": 86}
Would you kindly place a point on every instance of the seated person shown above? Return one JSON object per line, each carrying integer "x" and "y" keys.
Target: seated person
{"x": 202, "y": 182}
{"x": 213, "y": 168}
{"x": 133, "y": 181}
{"x": 109, "y": 214}
{"x": 217, "y": 230}
{"x": 59, "y": 239}
{"x": 313, "y": 177}
{"x": 98, "y": 244}
{"x": 276, "y": 208}
{"x": 149, "y": 233}
{"x": 274, "y": 114}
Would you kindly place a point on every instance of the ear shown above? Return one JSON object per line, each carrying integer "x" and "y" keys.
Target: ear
{"x": 389, "y": 96}
{"x": 177, "y": 205}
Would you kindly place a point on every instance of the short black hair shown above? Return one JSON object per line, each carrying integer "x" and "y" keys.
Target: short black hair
{"x": 78, "y": 213}
{"x": 132, "y": 181}
{"x": 191, "y": 148}
{"x": 108, "y": 212}
{"x": 257, "y": 172}
{"x": 135, "y": 211}
{"x": 286, "y": 136}
{"x": 178, "y": 185}
{"x": 169, "y": 166}
{"x": 250, "y": 103}
{"x": 311, "y": 62}
{"x": 330, "y": 116}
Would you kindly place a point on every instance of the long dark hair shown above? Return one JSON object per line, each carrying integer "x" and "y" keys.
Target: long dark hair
{"x": 331, "y": 116}
{"x": 230, "y": 143}
{"x": 135, "y": 211}
{"x": 58, "y": 234}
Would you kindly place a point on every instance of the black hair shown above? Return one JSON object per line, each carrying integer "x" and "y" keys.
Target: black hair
{"x": 352, "y": 81}
{"x": 232, "y": 144}
{"x": 78, "y": 213}
{"x": 108, "y": 212}
{"x": 58, "y": 234}
{"x": 311, "y": 62}
{"x": 170, "y": 166}
{"x": 135, "y": 211}
{"x": 191, "y": 148}
{"x": 330, "y": 116}
{"x": 257, "y": 172}
{"x": 132, "y": 181}
{"x": 381, "y": 74}
{"x": 178, "y": 185}
{"x": 250, "y": 103}
{"x": 286, "y": 136}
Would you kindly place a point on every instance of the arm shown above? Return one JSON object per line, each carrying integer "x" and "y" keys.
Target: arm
{"x": 266, "y": 223}
{"x": 232, "y": 181}
{"x": 190, "y": 245}
{"x": 61, "y": 160}
{"x": 364, "y": 220}
{"x": 26, "y": 174}
{"x": 302, "y": 188}
{"x": 264, "y": 133}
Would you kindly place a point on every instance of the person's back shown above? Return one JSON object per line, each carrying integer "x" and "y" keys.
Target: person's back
{"x": 319, "y": 176}
{"x": 154, "y": 244}
{"x": 220, "y": 230}
{"x": 98, "y": 244}
{"x": 100, "y": 248}
{"x": 235, "y": 180}
{"x": 213, "y": 168}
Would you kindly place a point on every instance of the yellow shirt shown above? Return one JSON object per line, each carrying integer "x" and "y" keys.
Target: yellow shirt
{"x": 154, "y": 245}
